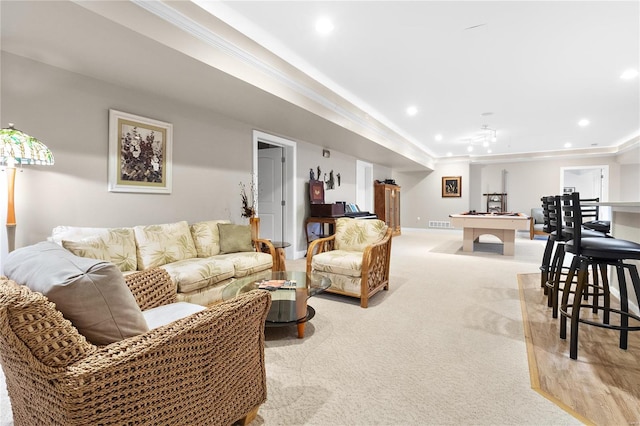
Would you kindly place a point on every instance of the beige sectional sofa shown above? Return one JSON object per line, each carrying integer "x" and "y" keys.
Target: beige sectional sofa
{"x": 201, "y": 258}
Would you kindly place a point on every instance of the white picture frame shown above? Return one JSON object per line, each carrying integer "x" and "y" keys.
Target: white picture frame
{"x": 140, "y": 154}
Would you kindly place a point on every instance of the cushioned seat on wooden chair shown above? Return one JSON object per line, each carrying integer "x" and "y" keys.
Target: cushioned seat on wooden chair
{"x": 537, "y": 222}
{"x": 600, "y": 253}
{"x": 355, "y": 258}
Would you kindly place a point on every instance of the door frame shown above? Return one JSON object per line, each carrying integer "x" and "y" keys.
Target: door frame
{"x": 364, "y": 185}
{"x": 289, "y": 183}
{"x": 605, "y": 212}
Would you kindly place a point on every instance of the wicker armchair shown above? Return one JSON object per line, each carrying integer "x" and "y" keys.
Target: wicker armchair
{"x": 355, "y": 258}
{"x": 207, "y": 368}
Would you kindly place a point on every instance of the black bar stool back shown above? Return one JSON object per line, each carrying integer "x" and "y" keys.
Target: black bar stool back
{"x": 600, "y": 253}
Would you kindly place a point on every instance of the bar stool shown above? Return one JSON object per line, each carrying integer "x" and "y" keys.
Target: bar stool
{"x": 556, "y": 267}
{"x": 551, "y": 240}
{"x": 598, "y": 252}
{"x": 592, "y": 211}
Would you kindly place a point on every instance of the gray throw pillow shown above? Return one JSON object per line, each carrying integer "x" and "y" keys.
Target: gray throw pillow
{"x": 90, "y": 293}
{"x": 234, "y": 238}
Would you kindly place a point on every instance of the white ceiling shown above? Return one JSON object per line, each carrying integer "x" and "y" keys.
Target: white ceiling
{"x": 538, "y": 67}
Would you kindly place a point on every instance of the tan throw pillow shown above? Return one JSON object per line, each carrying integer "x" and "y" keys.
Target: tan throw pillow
{"x": 234, "y": 238}
{"x": 36, "y": 321}
{"x": 90, "y": 293}
{"x": 206, "y": 237}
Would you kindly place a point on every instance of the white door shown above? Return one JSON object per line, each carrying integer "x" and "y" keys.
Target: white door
{"x": 270, "y": 193}
{"x": 280, "y": 222}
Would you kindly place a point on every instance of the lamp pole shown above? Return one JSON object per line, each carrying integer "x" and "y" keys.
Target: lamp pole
{"x": 11, "y": 211}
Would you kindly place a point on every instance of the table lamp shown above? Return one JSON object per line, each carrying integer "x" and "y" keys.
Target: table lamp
{"x": 17, "y": 147}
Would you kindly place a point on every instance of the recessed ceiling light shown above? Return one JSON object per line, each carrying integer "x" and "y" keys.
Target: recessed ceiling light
{"x": 449, "y": 154}
{"x": 469, "y": 148}
{"x": 412, "y": 110}
{"x": 584, "y": 122}
{"x": 324, "y": 25}
{"x": 567, "y": 145}
{"x": 629, "y": 74}
{"x": 489, "y": 151}
{"x": 438, "y": 137}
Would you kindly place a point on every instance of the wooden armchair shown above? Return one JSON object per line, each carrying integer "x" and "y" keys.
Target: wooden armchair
{"x": 207, "y": 368}
{"x": 356, "y": 258}
{"x": 537, "y": 222}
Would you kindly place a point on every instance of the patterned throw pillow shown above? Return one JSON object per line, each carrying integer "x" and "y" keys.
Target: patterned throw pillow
{"x": 234, "y": 238}
{"x": 206, "y": 237}
{"x": 116, "y": 245}
{"x": 162, "y": 244}
{"x": 356, "y": 235}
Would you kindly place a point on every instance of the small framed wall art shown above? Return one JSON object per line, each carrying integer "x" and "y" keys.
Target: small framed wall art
{"x": 139, "y": 154}
{"x": 316, "y": 192}
{"x": 452, "y": 186}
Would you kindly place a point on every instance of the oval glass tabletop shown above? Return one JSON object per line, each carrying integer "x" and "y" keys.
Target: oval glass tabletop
{"x": 289, "y": 293}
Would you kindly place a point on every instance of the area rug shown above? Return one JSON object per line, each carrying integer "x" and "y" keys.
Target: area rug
{"x": 602, "y": 386}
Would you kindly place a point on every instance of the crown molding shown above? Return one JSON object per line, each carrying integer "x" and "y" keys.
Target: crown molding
{"x": 351, "y": 117}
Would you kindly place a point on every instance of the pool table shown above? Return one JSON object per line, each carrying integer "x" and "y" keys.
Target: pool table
{"x": 502, "y": 225}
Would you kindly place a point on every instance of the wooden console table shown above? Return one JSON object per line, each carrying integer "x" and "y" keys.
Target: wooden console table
{"x": 327, "y": 226}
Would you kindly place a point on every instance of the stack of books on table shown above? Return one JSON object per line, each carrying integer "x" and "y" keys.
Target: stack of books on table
{"x": 276, "y": 284}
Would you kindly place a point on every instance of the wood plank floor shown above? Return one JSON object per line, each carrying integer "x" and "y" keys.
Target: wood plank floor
{"x": 602, "y": 386}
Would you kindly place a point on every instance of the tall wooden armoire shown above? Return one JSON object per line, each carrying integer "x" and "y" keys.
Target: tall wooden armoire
{"x": 387, "y": 205}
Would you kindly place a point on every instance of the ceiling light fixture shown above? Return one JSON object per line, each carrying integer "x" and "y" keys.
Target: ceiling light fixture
{"x": 629, "y": 74}
{"x": 324, "y": 25}
{"x": 485, "y": 138}
{"x": 438, "y": 137}
{"x": 567, "y": 145}
{"x": 583, "y": 123}
{"x": 412, "y": 110}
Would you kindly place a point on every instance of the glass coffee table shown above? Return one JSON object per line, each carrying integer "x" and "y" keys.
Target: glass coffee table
{"x": 289, "y": 301}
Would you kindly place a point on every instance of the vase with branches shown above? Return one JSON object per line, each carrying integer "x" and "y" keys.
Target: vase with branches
{"x": 250, "y": 200}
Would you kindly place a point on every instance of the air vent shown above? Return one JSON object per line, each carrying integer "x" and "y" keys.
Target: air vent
{"x": 439, "y": 224}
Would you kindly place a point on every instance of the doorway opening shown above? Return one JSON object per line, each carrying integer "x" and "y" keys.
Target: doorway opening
{"x": 274, "y": 165}
{"x": 364, "y": 186}
{"x": 590, "y": 182}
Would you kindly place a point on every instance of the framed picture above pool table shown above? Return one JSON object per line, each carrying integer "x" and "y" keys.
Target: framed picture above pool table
{"x": 452, "y": 186}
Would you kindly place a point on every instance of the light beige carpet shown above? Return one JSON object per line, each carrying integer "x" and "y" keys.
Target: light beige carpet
{"x": 444, "y": 346}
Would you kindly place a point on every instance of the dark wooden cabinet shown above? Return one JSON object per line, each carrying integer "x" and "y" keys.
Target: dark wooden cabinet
{"x": 387, "y": 205}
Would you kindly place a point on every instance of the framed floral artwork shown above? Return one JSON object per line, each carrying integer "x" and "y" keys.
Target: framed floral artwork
{"x": 139, "y": 154}
{"x": 452, "y": 186}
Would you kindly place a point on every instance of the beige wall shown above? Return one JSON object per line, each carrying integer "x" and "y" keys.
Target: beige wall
{"x": 212, "y": 154}
{"x": 526, "y": 182}
{"x": 69, "y": 113}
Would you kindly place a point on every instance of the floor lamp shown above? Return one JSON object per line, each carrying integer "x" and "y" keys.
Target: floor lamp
{"x": 18, "y": 148}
